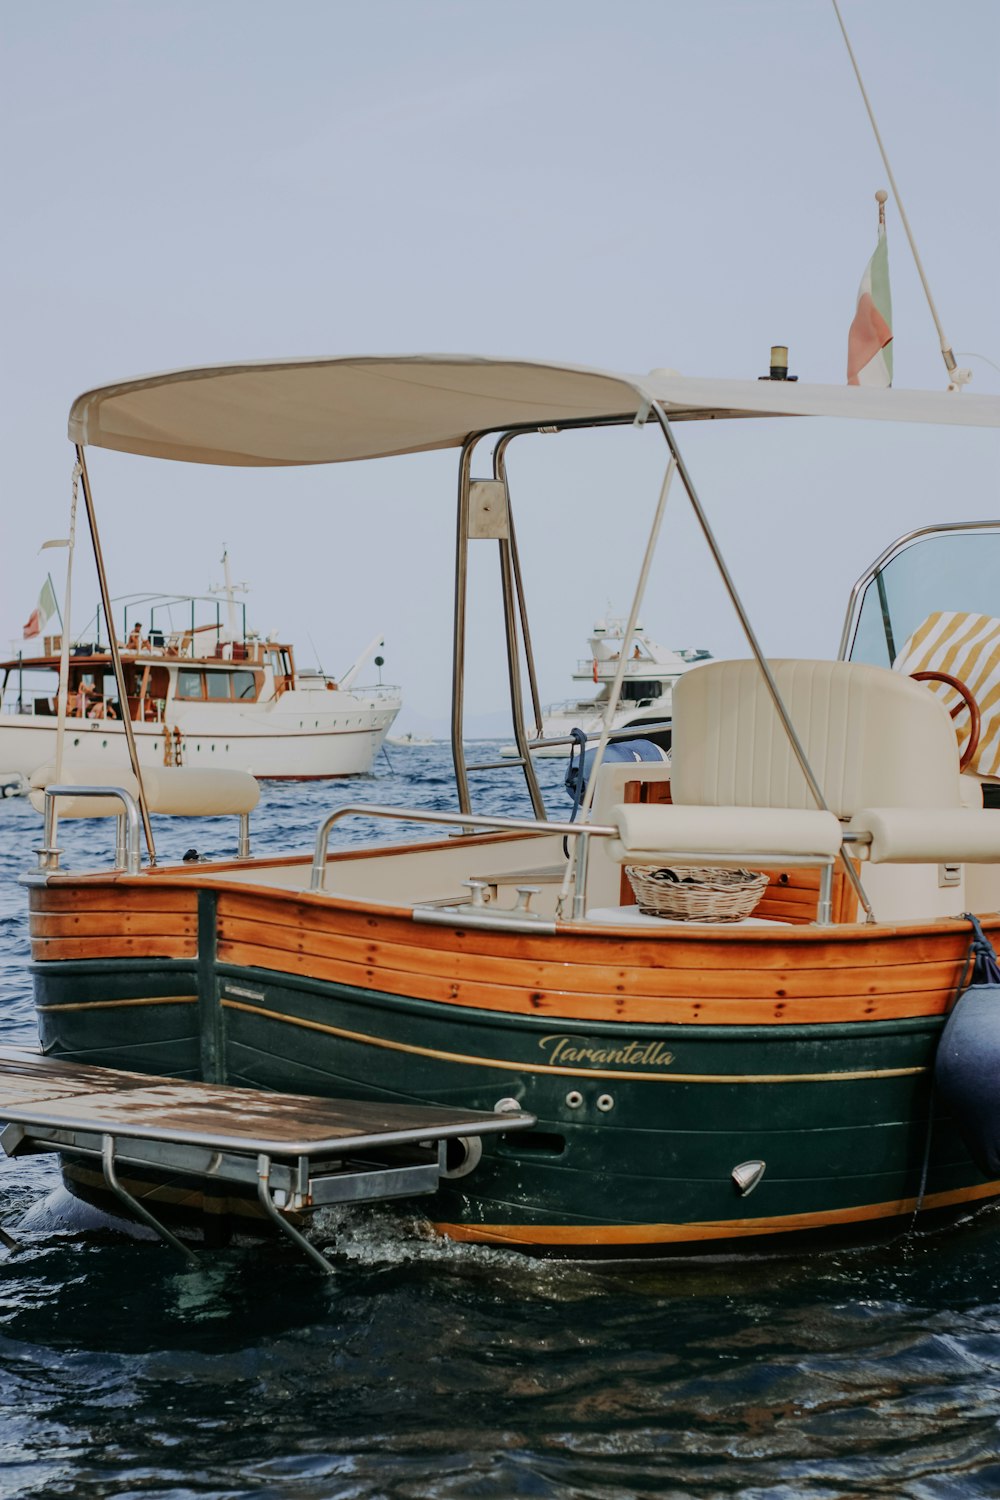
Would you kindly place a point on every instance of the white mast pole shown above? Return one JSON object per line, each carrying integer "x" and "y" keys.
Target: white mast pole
{"x": 228, "y": 590}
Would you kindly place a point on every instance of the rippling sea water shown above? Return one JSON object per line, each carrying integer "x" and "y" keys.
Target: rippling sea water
{"x": 427, "y": 1371}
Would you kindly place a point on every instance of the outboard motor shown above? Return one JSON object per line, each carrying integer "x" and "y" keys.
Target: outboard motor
{"x": 967, "y": 1067}
{"x": 581, "y": 761}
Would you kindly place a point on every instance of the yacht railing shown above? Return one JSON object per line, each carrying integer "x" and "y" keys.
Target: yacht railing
{"x": 635, "y": 666}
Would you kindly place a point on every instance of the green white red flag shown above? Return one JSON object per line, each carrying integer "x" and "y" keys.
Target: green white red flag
{"x": 869, "y": 343}
{"x": 42, "y": 612}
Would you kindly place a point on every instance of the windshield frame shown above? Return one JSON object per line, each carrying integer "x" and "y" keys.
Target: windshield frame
{"x": 852, "y": 620}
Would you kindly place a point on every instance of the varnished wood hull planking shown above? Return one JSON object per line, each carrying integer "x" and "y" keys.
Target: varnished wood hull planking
{"x": 655, "y": 1063}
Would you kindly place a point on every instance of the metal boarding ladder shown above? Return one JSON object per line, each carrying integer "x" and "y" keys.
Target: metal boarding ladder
{"x": 301, "y": 1152}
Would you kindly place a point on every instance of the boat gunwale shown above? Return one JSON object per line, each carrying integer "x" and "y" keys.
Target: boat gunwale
{"x": 199, "y": 877}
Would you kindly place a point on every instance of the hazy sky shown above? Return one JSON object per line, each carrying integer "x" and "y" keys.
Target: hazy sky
{"x": 648, "y": 183}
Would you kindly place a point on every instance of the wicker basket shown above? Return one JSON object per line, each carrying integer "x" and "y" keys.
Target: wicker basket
{"x": 696, "y": 893}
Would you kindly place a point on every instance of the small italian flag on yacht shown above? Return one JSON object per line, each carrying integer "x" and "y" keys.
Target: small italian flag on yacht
{"x": 869, "y": 343}
{"x": 43, "y": 610}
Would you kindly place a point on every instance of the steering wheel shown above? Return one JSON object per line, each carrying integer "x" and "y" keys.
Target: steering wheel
{"x": 967, "y": 702}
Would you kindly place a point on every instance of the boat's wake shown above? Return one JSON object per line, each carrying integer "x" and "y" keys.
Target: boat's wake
{"x": 381, "y": 1236}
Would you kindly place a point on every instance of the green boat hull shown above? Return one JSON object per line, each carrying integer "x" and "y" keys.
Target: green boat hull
{"x": 640, "y": 1127}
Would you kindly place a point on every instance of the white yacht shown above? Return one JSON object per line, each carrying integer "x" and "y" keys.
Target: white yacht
{"x": 646, "y": 696}
{"x": 199, "y": 693}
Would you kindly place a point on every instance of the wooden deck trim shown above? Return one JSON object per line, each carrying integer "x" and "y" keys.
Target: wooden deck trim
{"x": 68, "y": 891}
{"x": 48, "y": 950}
{"x": 368, "y": 956}
{"x": 567, "y": 1005}
{"x": 102, "y": 924}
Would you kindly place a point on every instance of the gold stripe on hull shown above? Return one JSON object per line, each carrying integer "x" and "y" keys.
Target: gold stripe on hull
{"x": 479, "y": 1061}
{"x": 117, "y": 1004}
{"x": 627, "y": 1235}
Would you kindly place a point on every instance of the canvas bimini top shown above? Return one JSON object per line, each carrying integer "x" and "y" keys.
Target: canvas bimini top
{"x": 315, "y": 411}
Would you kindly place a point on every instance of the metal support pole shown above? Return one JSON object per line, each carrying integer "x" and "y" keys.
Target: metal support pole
{"x": 458, "y": 642}
{"x": 580, "y": 877}
{"x": 512, "y": 587}
{"x": 500, "y": 472}
{"x": 270, "y": 1208}
{"x": 507, "y": 588}
{"x": 133, "y": 1204}
{"x": 824, "y": 906}
{"x": 754, "y": 644}
{"x": 115, "y": 653}
{"x": 244, "y": 846}
{"x": 48, "y": 855}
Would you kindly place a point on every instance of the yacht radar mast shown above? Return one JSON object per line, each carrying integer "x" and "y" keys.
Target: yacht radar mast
{"x": 229, "y": 588}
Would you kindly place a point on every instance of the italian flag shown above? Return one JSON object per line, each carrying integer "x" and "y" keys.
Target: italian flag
{"x": 43, "y": 610}
{"x": 869, "y": 343}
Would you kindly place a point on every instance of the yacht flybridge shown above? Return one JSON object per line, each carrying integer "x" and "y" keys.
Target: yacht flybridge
{"x": 197, "y": 692}
{"x": 695, "y": 1083}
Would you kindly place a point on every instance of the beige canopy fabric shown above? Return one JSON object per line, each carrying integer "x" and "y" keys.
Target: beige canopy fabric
{"x": 311, "y": 411}
{"x": 335, "y": 410}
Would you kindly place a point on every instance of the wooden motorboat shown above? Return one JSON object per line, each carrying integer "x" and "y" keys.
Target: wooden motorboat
{"x": 699, "y": 1086}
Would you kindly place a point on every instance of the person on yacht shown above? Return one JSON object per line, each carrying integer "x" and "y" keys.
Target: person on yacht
{"x": 77, "y": 707}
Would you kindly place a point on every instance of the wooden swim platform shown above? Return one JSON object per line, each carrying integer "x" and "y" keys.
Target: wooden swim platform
{"x": 300, "y": 1151}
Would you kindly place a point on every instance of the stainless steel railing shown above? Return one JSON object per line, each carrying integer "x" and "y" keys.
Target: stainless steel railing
{"x": 471, "y": 823}
{"x": 127, "y": 854}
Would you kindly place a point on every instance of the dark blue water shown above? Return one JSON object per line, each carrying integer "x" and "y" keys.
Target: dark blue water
{"x": 427, "y": 1370}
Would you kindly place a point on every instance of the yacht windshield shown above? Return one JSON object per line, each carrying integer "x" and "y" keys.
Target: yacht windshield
{"x": 947, "y": 570}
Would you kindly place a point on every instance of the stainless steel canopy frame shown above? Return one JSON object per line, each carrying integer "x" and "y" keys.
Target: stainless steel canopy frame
{"x": 113, "y": 647}
{"x": 655, "y": 411}
{"x": 515, "y": 612}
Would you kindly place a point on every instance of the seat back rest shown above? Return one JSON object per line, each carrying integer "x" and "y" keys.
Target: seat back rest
{"x": 872, "y": 737}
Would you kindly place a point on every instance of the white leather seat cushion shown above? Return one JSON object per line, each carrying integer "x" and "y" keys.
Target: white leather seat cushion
{"x": 652, "y": 834}
{"x": 931, "y": 835}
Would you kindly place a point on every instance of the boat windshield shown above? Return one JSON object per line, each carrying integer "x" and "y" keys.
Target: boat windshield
{"x": 950, "y": 569}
